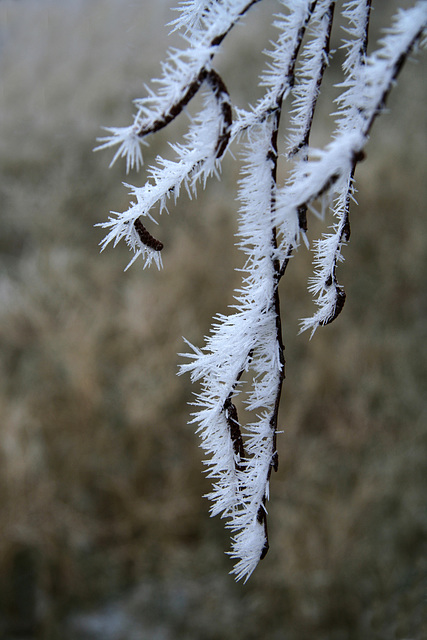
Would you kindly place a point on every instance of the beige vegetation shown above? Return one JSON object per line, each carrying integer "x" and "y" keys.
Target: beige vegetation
{"x": 100, "y": 475}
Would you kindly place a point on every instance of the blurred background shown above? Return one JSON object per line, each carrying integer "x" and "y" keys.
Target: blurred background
{"x": 103, "y": 530}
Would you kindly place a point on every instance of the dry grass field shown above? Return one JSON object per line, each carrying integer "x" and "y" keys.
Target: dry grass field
{"x": 103, "y": 530}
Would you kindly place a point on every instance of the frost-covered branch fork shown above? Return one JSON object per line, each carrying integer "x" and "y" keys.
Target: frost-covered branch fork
{"x": 191, "y": 166}
{"x": 246, "y": 345}
{"x": 183, "y": 76}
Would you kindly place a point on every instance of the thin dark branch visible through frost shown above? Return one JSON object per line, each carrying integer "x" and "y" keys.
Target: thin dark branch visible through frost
{"x": 311, "y": 93}
{"x": 219, "y": 89}
{"x": 248, "y": 343}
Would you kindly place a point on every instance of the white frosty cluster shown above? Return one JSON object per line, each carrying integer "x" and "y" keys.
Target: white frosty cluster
{"x": 246, "y": 345}
{"x": 244, "y": 341}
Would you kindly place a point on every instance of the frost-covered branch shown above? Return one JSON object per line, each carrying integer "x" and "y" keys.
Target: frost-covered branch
{"x": 313, "y": 65}
{"x": 366, "y": 87}
{"x": 241, "y": 367}
{"x": 205, "y": 145}
{"x": 184, "y": 72}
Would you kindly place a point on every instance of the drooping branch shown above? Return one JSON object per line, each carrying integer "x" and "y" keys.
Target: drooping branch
{"x": 367, "y": 85}
{"x": 196, "y": 161}
{"x": 241, "y": 449}
{"x": 271, "y": 120}
{"x": 331, "y": 296}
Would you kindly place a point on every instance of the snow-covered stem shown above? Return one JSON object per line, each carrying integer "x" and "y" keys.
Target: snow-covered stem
{"x": 242, "y": 363}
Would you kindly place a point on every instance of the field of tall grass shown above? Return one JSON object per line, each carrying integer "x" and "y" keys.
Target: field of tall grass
{"x": 104, "y": 533}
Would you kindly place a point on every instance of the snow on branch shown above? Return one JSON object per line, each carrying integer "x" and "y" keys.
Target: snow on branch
{"x": 242, "y": 363}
